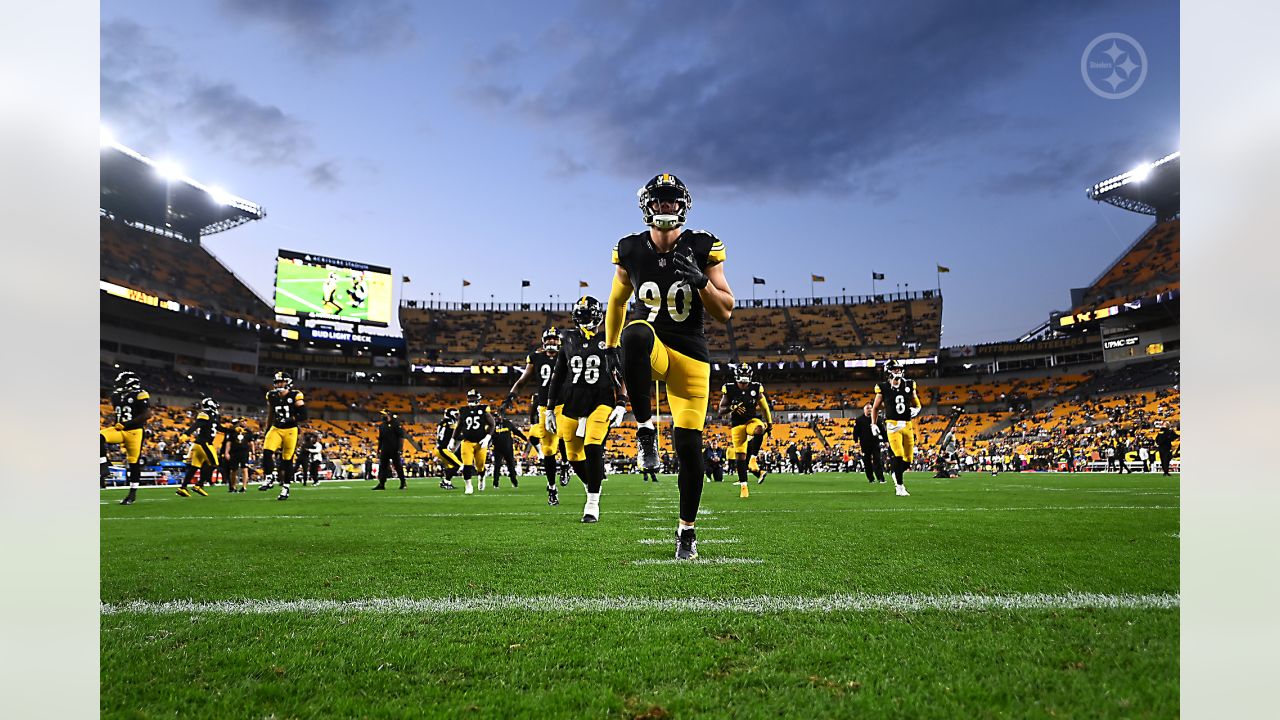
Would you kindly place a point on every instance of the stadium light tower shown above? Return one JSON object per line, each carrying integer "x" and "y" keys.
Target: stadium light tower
{"x": 169, "y": 170}
{"x": 105, "y": 137}
{"x": 1141, "y": 172}
{"x": 220, "y": 196}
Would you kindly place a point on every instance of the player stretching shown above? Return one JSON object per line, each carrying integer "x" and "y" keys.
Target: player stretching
{"x": 896, "y": 398}
{"x": 750, "y": 418}
{"x": 207, "y": 435}
{"x": 583, "y": 395}
{"x": 132, "y": 408}
{"x": 539, "y": 364}
{"x": 475, "y": 426}
{"x": 675, "y": 273}
{"x": 285, "y": 410}
{"x": 329, "y": 291}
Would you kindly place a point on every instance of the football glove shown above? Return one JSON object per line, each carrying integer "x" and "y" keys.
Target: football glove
{"x": 485, "y": 442}
{"x": 875, "y": 430}
{"x": 615, "y": 417}
{"x": 768, "y": 429}
{"x": 613, "y": 363}
{"x": 550, "y": 423}
{"x": 508, "y": 402}
{"x": 915, "y": 411}
{"x": 686, "y": 269}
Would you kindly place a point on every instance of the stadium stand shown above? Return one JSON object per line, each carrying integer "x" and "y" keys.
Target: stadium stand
{"x": 1149, "y": 267}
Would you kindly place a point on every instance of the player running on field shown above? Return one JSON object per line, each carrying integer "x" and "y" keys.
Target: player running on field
{"x": 898, "y": 403}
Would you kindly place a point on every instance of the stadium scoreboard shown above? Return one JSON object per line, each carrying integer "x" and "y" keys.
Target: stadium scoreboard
{"x": 324, "y": 288}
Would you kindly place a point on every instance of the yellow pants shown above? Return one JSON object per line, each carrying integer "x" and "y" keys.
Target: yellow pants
{"x": 474, "y": 455}
{"x": 546, "y": 440}
{"x": 447, "y": 457}
{"x": 283, "y": 440}
{"x": 902, "y": 439}
{"x": 742, "y": 433}
{"x": 688, "y": 382}
{"x": 567, "y": 428}
{"x": 131, "y": 439}
{"x": 197, "y": 457}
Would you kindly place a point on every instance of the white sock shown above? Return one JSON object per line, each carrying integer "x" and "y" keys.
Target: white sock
{"x": 593, "y": 504}
{"x": 681, "y": 528}
{"x": 133, "y": 486}
{"x": 647, "y": 424}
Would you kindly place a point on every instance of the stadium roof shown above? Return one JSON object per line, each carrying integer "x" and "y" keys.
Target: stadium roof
{"x": 1150, "y": 188}
{"x": 136, "y": 188}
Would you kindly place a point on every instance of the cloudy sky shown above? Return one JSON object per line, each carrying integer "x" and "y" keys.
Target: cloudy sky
{"x": 498, "y": 141}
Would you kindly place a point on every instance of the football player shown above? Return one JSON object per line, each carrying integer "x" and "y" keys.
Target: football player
{"x": 584, "y": 396}
{"x": 475, "y": 425}
{"x": 744, "y": 403}
{"x": 132, "y": 407}
{"x": 445, "y": 432}
{"x": 358, "y": 290}
{"x": 539, "y": 365}
{"x": 898, "y": 403}
{"x": 504, "y": 451}
{"x": 286, "y": 410}
{"x": 329, "y": 291}
{"x": 206, "y": 434}
{"x": 678, "y": 276}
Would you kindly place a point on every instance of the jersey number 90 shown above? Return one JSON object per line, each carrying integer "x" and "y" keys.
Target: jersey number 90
{"x": 679, "y": 300}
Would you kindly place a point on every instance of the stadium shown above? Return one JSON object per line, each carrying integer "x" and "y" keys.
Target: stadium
{"x": 1041, "y": 535}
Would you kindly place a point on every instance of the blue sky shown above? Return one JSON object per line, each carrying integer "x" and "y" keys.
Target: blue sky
{"x": 499, "y": 141}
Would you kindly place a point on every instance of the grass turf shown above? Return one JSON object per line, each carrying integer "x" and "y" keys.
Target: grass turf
{"x": 807, "y": 536}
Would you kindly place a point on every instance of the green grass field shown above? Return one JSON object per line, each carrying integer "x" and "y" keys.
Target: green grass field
{"x": 819, "y": 596}
{"x": 300, "y": 289}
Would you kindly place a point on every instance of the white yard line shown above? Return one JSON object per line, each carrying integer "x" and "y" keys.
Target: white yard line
{"x": 711, "y": 541}
{"x": 700, "y": 561}
{"x": 859, "y": 602}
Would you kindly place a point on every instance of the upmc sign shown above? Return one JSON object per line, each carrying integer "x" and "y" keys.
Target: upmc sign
{"x": 1120, "y": 342}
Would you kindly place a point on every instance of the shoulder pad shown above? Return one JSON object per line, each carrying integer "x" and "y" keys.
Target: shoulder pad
{"x": 708, "y": 246}
{"x": 297, "y": 395}
{"x": 142, "y": 395}
{"x": 623, "y": 248}
{"x": 202, "y": 416}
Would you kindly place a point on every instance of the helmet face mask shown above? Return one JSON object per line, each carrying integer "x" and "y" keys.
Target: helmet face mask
{"x": 895, "y": 370}
{"x": 281, "y": 381}
{"x": 664, "y": 189}
{"x": 473, "y": 397}
{"x": 209, "y": 405}
{"x": 588, "y": 313}
{"x": 551, "y": 341}
{"x": 127, "y": 380}
{"x": 742, "y": 374}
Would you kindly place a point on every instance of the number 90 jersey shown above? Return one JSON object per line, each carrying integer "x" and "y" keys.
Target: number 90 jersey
{"x": 674, "y": 307}
{"x": 898, "y": 401}
{"x": 582, "y": 381}
{"x": 543, "y": 364}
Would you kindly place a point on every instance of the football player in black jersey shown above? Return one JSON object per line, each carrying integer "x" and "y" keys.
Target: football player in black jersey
{"x": 446, "y": 429}
{"x": 584, "y": 396}
{"x": 285, "y": 411}
{"x": 132, "y": 407}
{"x": 475, "y": 426}
{"x": 898, "y": 403}
{"x": 238, "y": 446}
{"x": 744, "y": 402}
{"x": 538, "y": 366}
{"x": 675, "y": 274}
{"x": 206, "y": 447}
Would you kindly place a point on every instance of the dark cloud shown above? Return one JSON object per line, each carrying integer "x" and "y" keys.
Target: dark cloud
{"x": 238, "y": 125}
{"x": 332, "y": 27}
{"x": 786, "y": 96}
{"x": 324, "y": 175}
{"x": 147, "y": 94}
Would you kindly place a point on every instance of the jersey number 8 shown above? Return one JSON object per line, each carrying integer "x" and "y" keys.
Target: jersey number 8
{"x": 679, "y": 300}
{"x": 900, "y": 404}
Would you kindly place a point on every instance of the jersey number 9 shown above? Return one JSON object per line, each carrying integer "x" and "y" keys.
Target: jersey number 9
{"x": 679, "y": 300}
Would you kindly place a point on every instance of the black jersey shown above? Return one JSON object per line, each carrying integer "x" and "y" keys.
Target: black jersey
{"x": 674, "y": 307}
{"x": 390, "y": 437}
{"x": 743, "y": 403}
{"x": 285, "y": 407}
{"x": 543, "y": 365}
{"x": 471, "y": 422}
{"x": 897, "y": 402}
{"x": 444, "y": 432}
{"x": 130, "y": 406}
{"x": 581, "y": 381}
{"x": 206, "y": 427}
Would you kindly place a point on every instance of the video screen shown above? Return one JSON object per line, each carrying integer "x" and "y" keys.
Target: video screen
{"x": 328, "y": 288}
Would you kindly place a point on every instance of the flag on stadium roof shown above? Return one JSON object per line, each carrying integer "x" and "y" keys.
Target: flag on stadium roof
{"x": 465, "y": 282}
{"x": 817, "y": 278}
{"x": 757, "y": 281}
{"x": 876, "y": 276}
{"x": 525, "y": 283}
{"x": 943, "y": 268}
{"x": 405, "y": 278}
{"x": 583, "y": 283}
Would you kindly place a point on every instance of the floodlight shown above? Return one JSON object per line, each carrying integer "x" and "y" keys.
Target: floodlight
{"x": 220, "y": 196}
{"x": 1140, "y": 173}
{"x": 105, "y": 138}
{"x": 169, "y": 170}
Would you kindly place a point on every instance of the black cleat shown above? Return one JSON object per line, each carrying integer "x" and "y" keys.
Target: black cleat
{"x": 686, "y": 545}
{"x": 128, "y": 499}
{"x": 647, "y": 438}
{"x": 403, "y": 486}
{"x": 553, "y": 497}
{"x": 282, "y": 497}
{"x": 589, "y": 518}
{"x": 515, "y": 483}
{"x": 379, "y": 486}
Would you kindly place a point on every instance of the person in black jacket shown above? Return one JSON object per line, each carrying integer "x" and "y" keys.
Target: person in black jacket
{"x": 870, "y": 435}
{"x": 713, "y": 461}
{"x": 503, "y": 446}
{"x": 1164, "y": 444}
{"x": 390, "y": 445}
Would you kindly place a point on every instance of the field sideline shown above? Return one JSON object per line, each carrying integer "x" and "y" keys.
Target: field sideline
{"x": 819, "y": 596}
